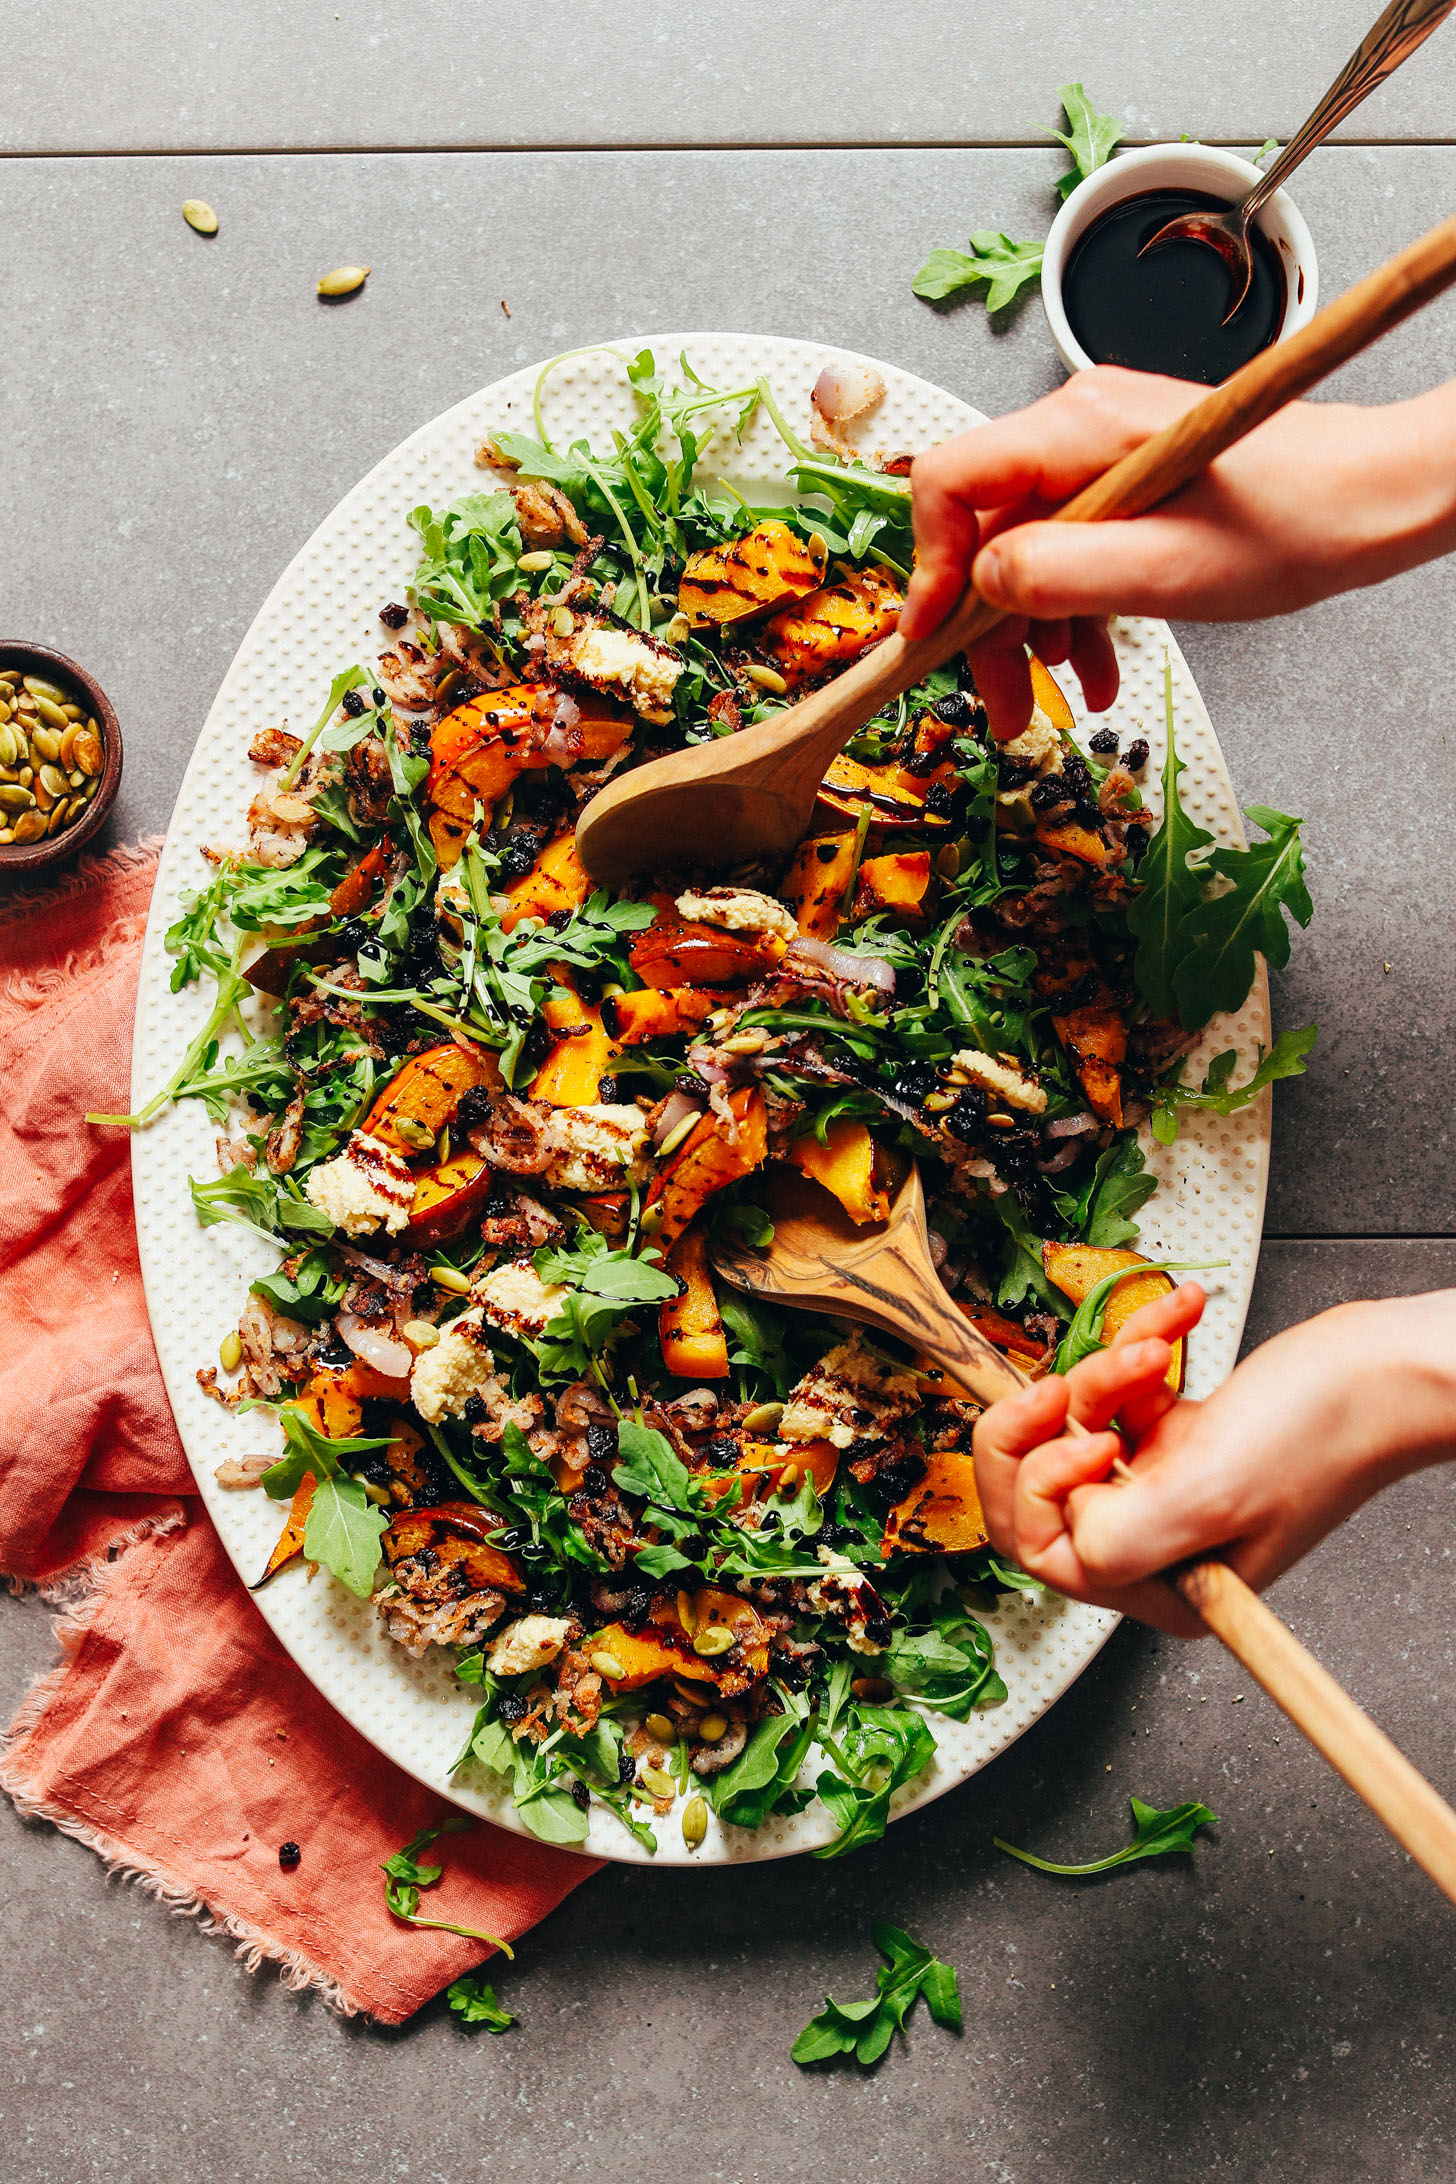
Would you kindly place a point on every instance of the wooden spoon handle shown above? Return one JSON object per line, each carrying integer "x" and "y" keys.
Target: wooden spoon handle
{"x": 1321, "y": 1709}
{"x": 1397, "y": 1793}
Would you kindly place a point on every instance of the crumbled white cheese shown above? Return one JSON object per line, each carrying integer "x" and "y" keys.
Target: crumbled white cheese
{"x": 622, "y": 662}
{"x": 595, "y": 1148}
{"x": 1004, "y": 1078}
{"x": 1038, "y": 745}
{"x": 459, "y": 1366}
{"x": 366, "y": 1187}
{"x": 851, "y": 1395}
{"x": 514, "y": 1297}
{"x": 528, "y": 1644}
{"x": 737, "y": 910}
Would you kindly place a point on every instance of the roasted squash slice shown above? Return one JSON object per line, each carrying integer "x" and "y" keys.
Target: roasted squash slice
{"x": 690, "y": 1325}
{"x": 655, "y": 1013}
{"x": 355, "y": 890}
{"x": 850, "y": 1164}
{"x": 707, "y": 1161}
{"x": 893, "y": 797}
{"x": 456, "y": 1533}
{"x": 782, "y": 1464}
{"x": 942, "y": 1514}
{"x": 333, "y": 1397}
{"x": 571, "y": 1075}
{"x": 1076, "y": 1270}
{"x": 663, "y": 1646}
{"x": 1048, "y": 695}
{"x": 834, "y": 625}
{"x": 750, "y": 575}
{"x": 897, "y": 884}
{"x": 447, "y": 1197}
{"x": 556, "y": 881}
{"x": 290, "y": 1539}
{"x": 814, "y": 885}
{"x": 669, "y": 955}
{"x": 1095, "y": 1038}
{"x": 417, "y": 1105}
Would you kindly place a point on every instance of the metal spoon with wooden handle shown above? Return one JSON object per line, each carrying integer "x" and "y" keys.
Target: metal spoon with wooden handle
{"x": 885, "y": 1276}
{"x": 751, "y": 795}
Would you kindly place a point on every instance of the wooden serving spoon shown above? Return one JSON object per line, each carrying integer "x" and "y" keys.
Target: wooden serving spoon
{"x": 751, "y": 795}
{"x": 819, "y": 1261}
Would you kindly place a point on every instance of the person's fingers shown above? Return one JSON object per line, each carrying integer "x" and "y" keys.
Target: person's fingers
{"x": 1003, "y": 678}
{"x": 1004, "y": 1434}
{"x": 1047, "y": 1476}
{"x": 946, "y": 537}
{"x": 1050, "y": 1484}
{"x": 1094, "y": 662}
{"x": 1102, "y": 1383}
{"x": 1173, "y": 562}
{"x": 1168, "y": 1316}
{"x": 1051, "y": 641}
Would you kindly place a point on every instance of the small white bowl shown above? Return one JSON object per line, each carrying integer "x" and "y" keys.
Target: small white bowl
{"x": 1176, "y": 167}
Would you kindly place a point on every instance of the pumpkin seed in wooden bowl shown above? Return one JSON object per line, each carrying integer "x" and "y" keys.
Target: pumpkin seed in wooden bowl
{"x": 60, "y": 757}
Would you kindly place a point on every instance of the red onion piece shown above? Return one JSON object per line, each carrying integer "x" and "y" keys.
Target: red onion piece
{"x": 382, "y": 1351}
{"x": 855, "y": 970}
{"x": 675, "y": 1109}
{"x": 1070, "y": 1125}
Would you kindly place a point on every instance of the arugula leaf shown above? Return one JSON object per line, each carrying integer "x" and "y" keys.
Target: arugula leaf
{"x": 1084, "y": 1336}
{"x": 343, "y": 1532}
{"x": 404, "y": 1877}
{"x": 951, "y": 1666}
{"x": 1023, "y": 1274}
{"x": 350, "y": 679}
{"x": 1216, "y": 1095}
{"x": 306, "y": 1449}
{"x": 1221, "y": 934}
{"x": 763, "y": 1777}
{"x": 865, "y": 2029}
{"x": 259, "y": 1203}
{"x": 758, "y": 1342}
{"x": 473, "y": 2000}
{"x": 1090, "y": 137}
{"x": 878, "y": 1751}
{"x": 607, "y": 1285}
{"x": 1005, "y": 266}
{"x": 1155, "y": 1834}
{"x": 1120, "y": 1186}
{"x": 1167, "y": 889}
{"x": 309, "y": 1294}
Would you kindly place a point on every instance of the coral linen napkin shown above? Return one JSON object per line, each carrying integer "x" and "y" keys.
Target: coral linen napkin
{"x": 176, "y": 1737}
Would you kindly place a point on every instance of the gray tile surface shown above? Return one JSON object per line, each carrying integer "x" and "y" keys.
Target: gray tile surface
{"x": 177, "y": 416}
{"x": 263, "y": 74}
{"x": 1278, "y": 2007}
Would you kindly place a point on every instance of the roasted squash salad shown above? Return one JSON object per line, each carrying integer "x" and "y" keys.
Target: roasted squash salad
{"x": 691, "y": 1551}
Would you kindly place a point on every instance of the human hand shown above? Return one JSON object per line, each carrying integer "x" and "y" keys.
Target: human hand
{"x": 1322, "y": 498}
{"x": 1304, "y": 1430}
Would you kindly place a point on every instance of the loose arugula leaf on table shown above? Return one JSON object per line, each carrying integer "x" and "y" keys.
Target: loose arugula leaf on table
{"x": 404, "y": 1877}
{"x": 865, "y": 2029}
{"x": 1006, "y": 268}
{"x": 1155, "y": 1834}
{"x": 474, "y": 2002}
{"x": 1222, "y": 933}
{"x": 1216, "y": 1095}
{"x": 1090, "y": 137}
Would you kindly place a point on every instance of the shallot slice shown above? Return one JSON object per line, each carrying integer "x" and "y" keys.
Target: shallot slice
{"x": 383, "y": 1352}
{"x": 855, "y": 970}
{"x": 675, "y": 1109}
{"x": 1070, "y": 1125}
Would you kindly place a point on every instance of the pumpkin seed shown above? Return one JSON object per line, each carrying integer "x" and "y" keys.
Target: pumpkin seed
{"x": 713, "y": 1640}
{"x": 89, "y": 787}
{"x": 74, "y": 712}
{"x": 746, "y": 1042}
{"x": 660, "y": 1784}
{"x": 43, "y": 797}
{"x": 687, "y": 1614}
{"x": 25, "y": 776}
{"x": 712, "y": 1727}
{"x": 9, "y": 749}
{"x": 6, "y": 834}
{"x": 74, "y": 809}
{"x": 40, "y": 688}
{"x": 199, "y": 216}
{"x": 677, "y": 630}
{"x": 50, "y": 711}
{"x": 763, "y": 1418}
{"x": 343, "y": 280}
{"x": 534, "y": 561}
{"x": 68, "y": 745}
{"x": 15, "y": 798}
{"x": 818, "y": 547}
{"x": 563, "y": 621}
{"x": 421, "y": 1334}
{"x": 694, "y": 1822}
{"x": 30, "y": 826}
{"x": 948, "y": 861}
{"x": 606, "y": 1664}
{"x": 693, "y": 1694}
{"x": 48, "y": 743}
{"x": 54, "y": 780}
{"x": 57, "y": 820}
{"x": 4, "y": 710}
{"x": 767, "y": 678}
{"x": 230, "y": 1352}
{"x": 450, "y": 1277}
{"x": 86, "y": 750}
{"x": 415, "y": 1134}
{"x": 10, "y": 676}
{"x": 682, "y": 1130}
{"x": 651, "y": 1221}
{"x": 659, "y": 1726}
{"x": 76, "y": 778}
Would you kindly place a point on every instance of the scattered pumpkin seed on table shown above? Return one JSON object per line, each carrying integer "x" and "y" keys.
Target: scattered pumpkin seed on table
{"x": 199, "y": 216}
{"x": 343, "y": 280}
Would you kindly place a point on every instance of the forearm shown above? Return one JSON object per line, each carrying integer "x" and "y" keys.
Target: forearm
{"x": 1397, "y": 477}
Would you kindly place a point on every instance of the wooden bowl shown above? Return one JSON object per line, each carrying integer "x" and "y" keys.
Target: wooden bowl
{"x": 55, "y": 849}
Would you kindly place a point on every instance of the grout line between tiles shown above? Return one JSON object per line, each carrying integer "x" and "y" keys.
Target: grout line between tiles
{"x": 1341, "y": 1236}
{"x": 696, "y": 150}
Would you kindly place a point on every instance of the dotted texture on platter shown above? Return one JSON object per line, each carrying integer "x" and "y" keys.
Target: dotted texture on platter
{"x": 322, "y": 614}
